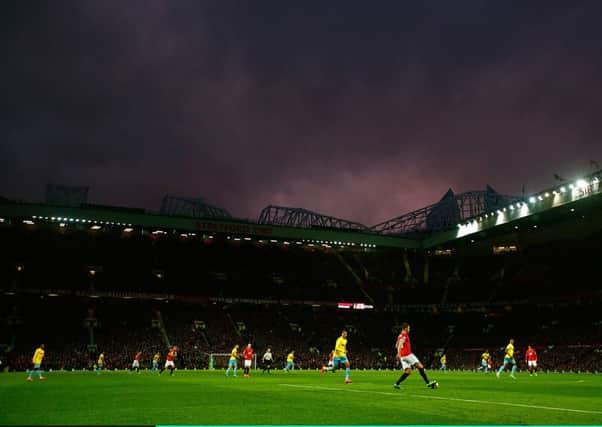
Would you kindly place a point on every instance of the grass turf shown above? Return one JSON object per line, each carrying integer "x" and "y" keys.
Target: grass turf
{"x": 301, "y": 397}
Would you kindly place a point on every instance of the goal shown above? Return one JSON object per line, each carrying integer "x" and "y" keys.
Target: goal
{"x": 220, "y": 361}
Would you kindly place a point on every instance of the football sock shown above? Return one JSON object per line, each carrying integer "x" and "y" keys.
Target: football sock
{"x": 499, "y": 371}
{"x": 347, "y": 371}
{"x": 234, "y": 371}
{"x": 403, "y": 377}
{"x": 40, "y": 372}
{"x": 513, "y": 370}
{"x": 31, "y": 373}
{"x": 423, "y": 375}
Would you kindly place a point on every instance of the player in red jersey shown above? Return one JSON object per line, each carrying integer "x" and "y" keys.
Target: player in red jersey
{"x": 247, "y": 356}
{"x": 330, "y": 365}
{"x": 407, "y": 358}
{"x": 169, "y": 360}
{"x": 136, "y": 362}
{"x": 531, "y": 360}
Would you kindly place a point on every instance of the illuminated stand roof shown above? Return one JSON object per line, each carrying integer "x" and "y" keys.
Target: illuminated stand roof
{"x": 445, "y": 214}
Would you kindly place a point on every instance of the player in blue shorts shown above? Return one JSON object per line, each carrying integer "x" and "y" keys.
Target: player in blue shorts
{"x": 233, "y": 363}
{"x": 340, "y": 356}
{"x": 508, "y": 361}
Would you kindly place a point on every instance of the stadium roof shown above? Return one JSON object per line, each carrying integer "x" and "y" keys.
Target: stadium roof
{"x": 469, "y": 215}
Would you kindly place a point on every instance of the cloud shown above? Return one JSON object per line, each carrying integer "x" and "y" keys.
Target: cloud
{"x": 361, "y": 113}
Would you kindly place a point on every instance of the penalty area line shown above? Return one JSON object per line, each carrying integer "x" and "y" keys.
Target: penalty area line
{"x": 451, "y": 399}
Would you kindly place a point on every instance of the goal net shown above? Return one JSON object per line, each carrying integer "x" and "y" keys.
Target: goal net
{"x": 220, "y": 361}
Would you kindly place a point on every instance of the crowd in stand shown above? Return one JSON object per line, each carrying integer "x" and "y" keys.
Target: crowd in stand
{"x": 465, "y": 305}
{"x": 122, "y": 329}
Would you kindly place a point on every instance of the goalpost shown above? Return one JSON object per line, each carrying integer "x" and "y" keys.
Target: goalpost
{"x": 220, "y": 361}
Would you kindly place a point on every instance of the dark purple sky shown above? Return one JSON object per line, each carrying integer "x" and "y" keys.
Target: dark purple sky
{"x": 361, "y": 110}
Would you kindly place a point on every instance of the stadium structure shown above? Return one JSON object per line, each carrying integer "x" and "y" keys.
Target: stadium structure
{"x": 469, "y": 269}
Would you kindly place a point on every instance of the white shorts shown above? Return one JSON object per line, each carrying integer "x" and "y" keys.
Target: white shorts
{"x": 532, "y": 363}
{"x": 169, "y": 363}
{"x": 248, "y": 363}
{"x": 135, "y": 364}
{"x": 409, "y": 361}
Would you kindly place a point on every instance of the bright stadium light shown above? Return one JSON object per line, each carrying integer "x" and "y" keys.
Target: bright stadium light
{"x": 28, "y": 222}
{"x": 98, "y": 227}
{"x": 539, "y": 198}
{"x": 511, "y": 207}
{"x": 128, "y": 230}
{"x": 62, "y": 224}
{"x": 562, "y": 189}
{"x": 581, "y": 183}
{"x": 532, "y": 199}
{"x": 547, "y": 194}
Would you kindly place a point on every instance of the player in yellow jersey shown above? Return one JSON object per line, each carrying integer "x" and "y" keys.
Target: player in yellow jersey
{"x": 156, "y": 359}
{"x": 290, "y": 362}
{"x": 485, "y": 361}
{"x": 38, "y": 356}
{"x": 340, "y": 356}
{"x": 100, "y": 363}
{"x": 233, "y": 362}
{"x": 443, "y": 361}
{"x": 508, "y": 361}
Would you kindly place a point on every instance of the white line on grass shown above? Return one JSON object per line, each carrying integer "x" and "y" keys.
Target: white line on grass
{"x": 386, "y": 393}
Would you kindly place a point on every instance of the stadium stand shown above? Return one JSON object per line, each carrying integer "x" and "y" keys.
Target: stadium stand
{"x": 85, "y": 289}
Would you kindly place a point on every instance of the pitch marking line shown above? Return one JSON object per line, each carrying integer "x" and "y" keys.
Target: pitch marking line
{"x": 453, "y": 399}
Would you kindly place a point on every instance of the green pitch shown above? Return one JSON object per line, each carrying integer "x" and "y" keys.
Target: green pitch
{"x": 301, "y": 397}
